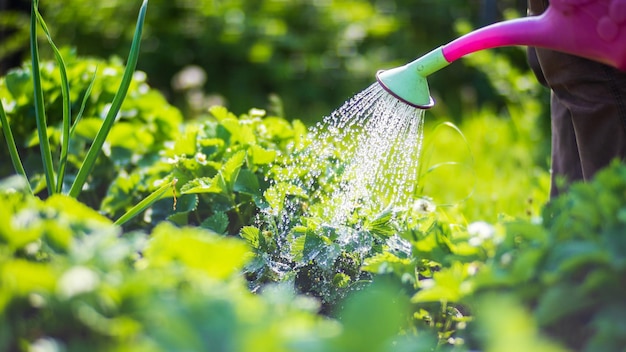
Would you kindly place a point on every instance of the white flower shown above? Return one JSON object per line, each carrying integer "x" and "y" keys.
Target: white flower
{"x": 424, "y": 206}
{"x": 481, "y": 229}
{"x": 77, "y": 280}
{"x": 45, "y": 344}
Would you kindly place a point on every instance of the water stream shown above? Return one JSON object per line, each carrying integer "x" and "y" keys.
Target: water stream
{"x": 357, "y": 163}
{"x": 368, "y": 149}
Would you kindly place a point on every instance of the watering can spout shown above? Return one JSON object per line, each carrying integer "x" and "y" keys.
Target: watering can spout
{"x": 593, "y": 29}
{"x": 408, "y": 83}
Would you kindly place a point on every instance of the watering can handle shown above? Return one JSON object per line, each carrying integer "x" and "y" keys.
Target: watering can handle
{"x": 594, "y": 29}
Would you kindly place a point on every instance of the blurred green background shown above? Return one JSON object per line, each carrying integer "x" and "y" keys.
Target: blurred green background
{"x": 312, "y": 54}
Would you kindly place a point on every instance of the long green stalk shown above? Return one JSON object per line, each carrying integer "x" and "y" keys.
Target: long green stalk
{"x": 8, "y": 136}
{"x": 96, "y": 146}
{"x": 67, "y": 112}
{"x": 65, "y": 94}
{"x": 40, "y": 113}
{"x": 164, "y": 191}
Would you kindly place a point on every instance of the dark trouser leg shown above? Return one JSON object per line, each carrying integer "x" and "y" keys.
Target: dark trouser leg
{"x": 588, "y": 99}
{"x": 565, "y": 159}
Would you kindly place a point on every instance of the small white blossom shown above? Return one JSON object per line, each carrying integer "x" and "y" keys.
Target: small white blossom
{"x": 45, "y": 345}
{"x": 479, "y": 232}
{"x": 77, "y": 280}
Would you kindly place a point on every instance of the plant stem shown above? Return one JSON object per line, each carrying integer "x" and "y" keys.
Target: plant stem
{"x": 96, "y": 146}
{"x": 162, "y": 192}
{"x": 40, "y": 113}
{"x": 8, "y": 135}
{"x": 67, "y": 112}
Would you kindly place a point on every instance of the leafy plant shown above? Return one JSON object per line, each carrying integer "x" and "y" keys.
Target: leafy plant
{"x": 417, "y": 278}
{"x": 569, "y": 267}
{"x": 55, "y": 180}
{"x": 220, "y": 164}
{"x": 78, "y": 141}
{"x": 72, "y": 280}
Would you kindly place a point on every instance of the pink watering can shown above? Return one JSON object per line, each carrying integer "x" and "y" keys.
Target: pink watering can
{"x": 594, "y": 29}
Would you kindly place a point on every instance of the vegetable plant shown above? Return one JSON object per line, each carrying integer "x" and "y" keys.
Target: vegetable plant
{"x": 233, "y": 250}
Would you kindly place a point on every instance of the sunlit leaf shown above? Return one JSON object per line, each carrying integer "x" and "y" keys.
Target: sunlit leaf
{"x": 24, "y": 277}
{"x": 275, "y": 195}
{"x": 198, "y": 249}
{"x": 205, "y": 185}
{"x": 250, "y": 234}
{"x": 230, "y": 169}
{"x": 261, "y": 156}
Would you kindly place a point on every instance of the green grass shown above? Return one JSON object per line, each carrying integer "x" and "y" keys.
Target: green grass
{"x": 483, "y": 169}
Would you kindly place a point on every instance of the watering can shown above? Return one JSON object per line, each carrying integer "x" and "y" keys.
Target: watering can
{"x": 593, "y": 29}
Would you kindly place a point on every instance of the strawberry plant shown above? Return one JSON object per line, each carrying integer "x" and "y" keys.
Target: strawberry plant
{"x": 569, "y": 267}
{"x": 234, "y": 250}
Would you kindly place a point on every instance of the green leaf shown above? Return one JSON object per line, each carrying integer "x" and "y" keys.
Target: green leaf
{"x": 162, "y": 192}
{"x": 388, "y": 263}
{"x": 88, "y": 127}
{"x": 186, "y": 142}
{"x": 211, "y": 147}
{"x": 116, "y": 104}
{"x": 261, "y": 156}
{"x": 23, "y": 277}
{"x": 341, "y": 280}
{"x": 205, "y": 185}
{"x": 381, "y": 225}
{"x": 84, "y": 220}
{"x": 181, "y": 207}
{"x": 186, "y": 203}
{"x": 40, "y": 111}
{"x": 447, "y": 285}
{"x": 217, "y": 222}
{"x": 18, "y": 83}
{"x": 297, "y": 248}
{"x": 196, "y": 249}
{"x": 8, "y": 136}
{"x": 67, "y": 112}
{"x": 221, "y": 113}
{"x": 247, "y": 183}
{"x": 277, "y": 128}
{"x": 380, "y": 303}
{"x": 128, "y": 136}
{"x": 276, "y": 195}
{"x": 314, "y": 245}
{"x": 79, "y": 116}
{"x": 230, "y": 169}
{"x": 250, "y": 234}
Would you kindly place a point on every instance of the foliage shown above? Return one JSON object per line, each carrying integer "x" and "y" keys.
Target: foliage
{"x": 73, "y": 281}
{"x": 55, "y": 175}
{"x": 145, "y": 116}
{"x": 568, "y": 269}
{"x": 82, "y": 271}
{"x": 565, "y": 269}
{"x": 431, "y": 273}
{"x": 219, "y": 162}
{"x": 420, "y": 278}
